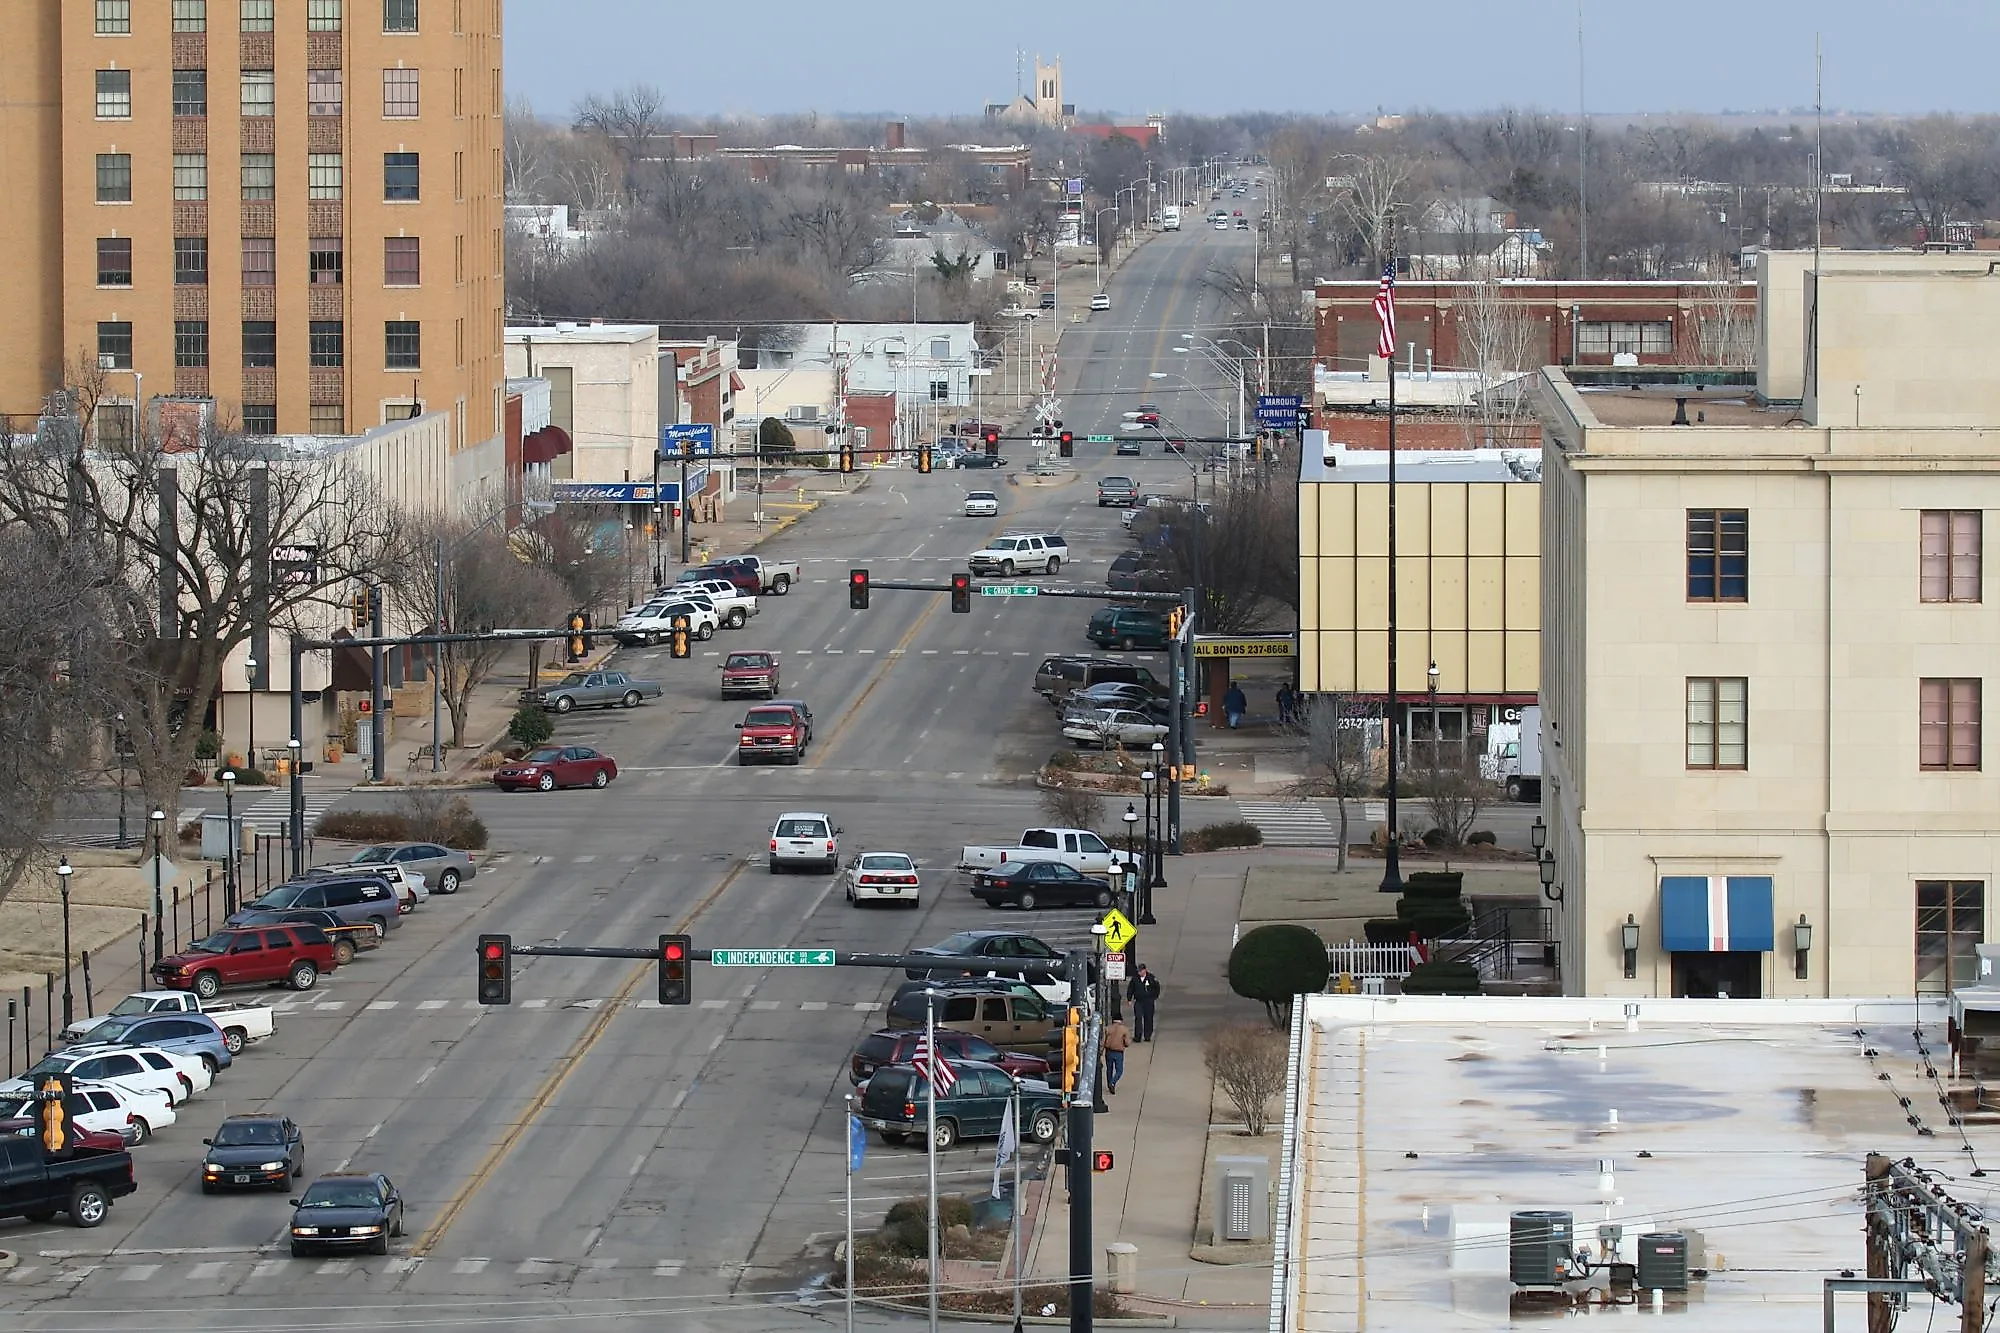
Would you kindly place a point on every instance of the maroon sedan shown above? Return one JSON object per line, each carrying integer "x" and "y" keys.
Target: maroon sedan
{"x": 555, "y": 766}
{"x": 896, "y": 1046}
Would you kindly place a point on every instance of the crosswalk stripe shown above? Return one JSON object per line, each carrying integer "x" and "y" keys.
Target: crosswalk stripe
{"x": 138, "y": 1272}
{"x": 22, "y": 1274}
{"x": 670, "y": 1269}
{"x": 468, "y": 1266}
{"x": 1289, "y": 823}
{"x": 203, "y": 1272}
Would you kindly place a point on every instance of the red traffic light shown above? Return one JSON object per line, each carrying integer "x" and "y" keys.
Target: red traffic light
{"x": 991, "y": 435}
{"x": 673, "y": 951}
{"x": 857, "y": 589}
{"x": 1100, "y": 1161}
{"x": 961, "y": 593}
{"x": 492, "y": 951}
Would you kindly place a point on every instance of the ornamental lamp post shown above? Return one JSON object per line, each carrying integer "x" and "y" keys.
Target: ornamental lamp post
{"x": 118, "y": 743}
{"x": 158, "y": 819}
{"x": 229, "y": 818}
{"x": 63, "y": 872}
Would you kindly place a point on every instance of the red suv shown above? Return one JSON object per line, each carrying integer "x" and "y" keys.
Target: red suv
{"x": 774, "y": 731}
{"x": 293, "y": 954}
{"x": 894, "y": 1046}
{"x": 750, "y": 673}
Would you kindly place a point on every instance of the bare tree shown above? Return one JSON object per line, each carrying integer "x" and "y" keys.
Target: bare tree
{"x": 1248, "y": 1062}
{"x": 92, "y": 476}
{"x": 1241, "y": 551}
{"x": 628, "y": 119}
{"x": 1372, "y": 191}
{"x": 1501, "y": 344}
{"x": 1725, "y": 325}
{"x": 1340, "y": 762}
{"x": 526, "y": 152}
{"x": 1454, "y": 793}
{"x": 838, "y": 231}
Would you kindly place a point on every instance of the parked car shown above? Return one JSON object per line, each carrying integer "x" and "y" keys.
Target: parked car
{"x": 241, "y": 1023}
{"x": 555, "y": 766}
{"x": 734, "y": 605}
{"x": 1137, "y": 571}
{"x": 358, "y": 897}
{"x": 775, "y": 577}
{"x": 773, "y": 732}
{"x": 751, "y": 673}
{"x": 976, "y": 460}
{"x": 1127, "y": 627}
{"x": 1076, "y": 847}
{"x": 655, "y": 621}
{"x": 1048, "y": 301}
{"x": 1039, "y": 884}
{"x": 885, "y": 877}
{"x": 196, "y": 1036}
{"x": 1058, "y": 676}
{"x": 599, "y": 689}
{"x": 147, "y": 1073}
{"x": 746, "y": 577}
{"x": 443, "y": 869}
{"x": 128, "y": 1117}
{"x": 890, "y": 1046}
{"x": 807, "y": 838}
{"x": 347, "y": 1211}
{"x": 1030, "y": 553}
{"x": 1106, "y": 727}
{"x": 1100, "y": 300}
{"x": 961, "y": 954}
{"x": 95, "y": 1139}
{"x": 1010, "y": 1014}
{"x": 1116, "y": 694}
{"x": 896, "y": 1105}
{"x": 981, "y": 504}
{"x": 347, "y": 940}
{"x": 37, "y": 1187}
{"x": 252, "y": 1151}
{"x": 1116, "y": 491}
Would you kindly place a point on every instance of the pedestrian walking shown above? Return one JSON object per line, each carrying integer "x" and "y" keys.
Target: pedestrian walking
{"x": 1235, "y": 705}
{"x": 1285, "y": 697}
{"x": 1143, "y": 990}
{"x": 1116, "y": 1038}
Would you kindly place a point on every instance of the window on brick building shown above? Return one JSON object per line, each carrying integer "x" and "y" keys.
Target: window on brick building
{"x": 399, "y": 94}
{"x": 400, "y": 176}
{"x": 402, "y": 261}
{"x": 114, "y": 261}
{"x": 328, "y": 345}
{"x": 190, "y": 15}
{"x": 323, "y": 176}
{"x": 323, "y": 92}
{"x": 399, "y": 15}
{"x": 114, "y": 178}
{"x": 1948, "y": 724}
{"x": 322, "y": 15}
{"x": 257, "y": 15}
{"x": 325, "y": 260}
{"x": 190, "y": 176}
{"x": 191, "y": 343}
{"x": 260, "y": 342}
{"x": 260, "y": 176}
{"x": 114, "y": 17}
{"x": 260, "y": 261}
{"x": 260, "y": 92}
{"x": 114, "y": 94}
{"x": 260, "y": 418}
{"x": 327, "y": 419}
{"x": 190, "y": 92}
{"x": 114, "y": 344}
{"x": 402, "y": 344}
{"x": 191, "y": 261}
{"x": 1614, "y": 337}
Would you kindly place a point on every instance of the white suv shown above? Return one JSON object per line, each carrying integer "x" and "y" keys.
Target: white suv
{"x": 805, "y": 838}
{"x": 1005, "y": 555}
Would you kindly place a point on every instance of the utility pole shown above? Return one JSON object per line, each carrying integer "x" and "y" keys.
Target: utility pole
{"x": 1078, "y": 1159}
{"x": 378, "y": 730}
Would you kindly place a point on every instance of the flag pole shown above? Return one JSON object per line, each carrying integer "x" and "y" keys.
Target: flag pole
{"x": 930, "y": 1141}
{"x": 1392, "y": 869}
{"x": 850, "y": 1212}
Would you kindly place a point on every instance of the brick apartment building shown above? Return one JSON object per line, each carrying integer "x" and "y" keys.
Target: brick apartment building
{"x": 289, "y": 207}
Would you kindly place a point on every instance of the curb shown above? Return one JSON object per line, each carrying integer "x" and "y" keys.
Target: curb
{"x": 1049, "y": 1321}
{"x": 8, "y": 1259}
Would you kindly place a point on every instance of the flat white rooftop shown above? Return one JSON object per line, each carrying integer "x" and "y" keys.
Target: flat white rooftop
{"x": 1744, "y": 1123}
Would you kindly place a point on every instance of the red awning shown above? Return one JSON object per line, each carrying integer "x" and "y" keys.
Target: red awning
{"x": 545, "y": 445}
{"x": 735, "y": 382}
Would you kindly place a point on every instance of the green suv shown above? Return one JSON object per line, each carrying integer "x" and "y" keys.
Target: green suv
{"x": 1127, "y": 627}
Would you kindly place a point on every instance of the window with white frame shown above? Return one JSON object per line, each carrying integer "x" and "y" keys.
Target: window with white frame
{"x": 114, "y": 17}
{"x": 190, "y": 15}
{"x": 190, "y": 176}
{"x": 114, "y": 94}
{"x": 399, "y": 94}
{"x": 322, "y": 15}
{"x": 1614, "y": 337}
{"x": 260, "y": 92}
{"x": 940, "y": 391}
{"x": 399, "y": 15}
{"x": 323, "y": 92}
{"x": 260, "y": 176}
{"x": 256, "y": 15}
{"x": 323, "y": 176}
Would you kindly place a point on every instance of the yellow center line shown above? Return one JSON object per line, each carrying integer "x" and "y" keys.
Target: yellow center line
{"x": 553, "y": 1083}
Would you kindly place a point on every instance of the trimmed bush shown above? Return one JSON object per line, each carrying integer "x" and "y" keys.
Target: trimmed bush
{"x": 1216, "y": 837}
{"x": 363, "y": 826}
{"x": 902, "y": 1230}
{"x": 1442, "y": 979}
{"x": 207, "y": 746}
{"x": 1433, "y": 918}
{"x": 1482, "y": 838}
{"x": 1064, "y": 760}
{"x": 1386, "y": 930}
{"x": 433, "y": 814}
{"x": 1434, "y": 883}
{"x": 1271, "y": 964}
{"x": 245, "y": 777}
{"x": 1436, "y": 838}
{"x": 531, "y": 725}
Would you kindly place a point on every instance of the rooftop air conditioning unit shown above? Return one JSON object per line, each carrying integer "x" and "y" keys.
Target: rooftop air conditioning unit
{"x": 806, "y": 414}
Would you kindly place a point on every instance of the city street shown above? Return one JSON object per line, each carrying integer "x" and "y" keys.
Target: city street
{"x": 583, "y": 1145}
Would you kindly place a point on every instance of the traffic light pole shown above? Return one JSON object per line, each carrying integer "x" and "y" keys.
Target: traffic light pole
{"x": 378, "y": 729}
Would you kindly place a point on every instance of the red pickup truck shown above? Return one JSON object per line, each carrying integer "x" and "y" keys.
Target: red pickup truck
{"x": 293, "y": 954}
{"x": 754, "y": 673}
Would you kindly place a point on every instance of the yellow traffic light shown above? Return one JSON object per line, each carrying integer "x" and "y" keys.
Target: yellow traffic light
{"x": 361, "y": 609}
{"x": 924, "y": 459}
{"x": 1174, "y": 618}
{"x": 1072, "y": 1049}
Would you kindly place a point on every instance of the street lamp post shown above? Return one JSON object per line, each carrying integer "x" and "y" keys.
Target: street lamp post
{"x": 250, "y": 701}
{"x": 158, "y": 819}
{"x": 1158, "y": 878}
{"x": 1431, "y": 689}
{"x": 1133, "y": 868}
{"x": 118, "y": 743}
{"x": 229, "y": 818}
{"x": 63, "y": 872}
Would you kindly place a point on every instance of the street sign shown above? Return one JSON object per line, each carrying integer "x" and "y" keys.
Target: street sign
{"x": 1010, "y": 590}
{"x": 1114, "y": 966}
{"x": 1098, "y": 439}
{"x": 687, "y": 437}
{"x": 295, "y": 564}
{"x": 771, "y": 958}
{"x": 159, "y": 870}
{"x": 1118, "y": 931}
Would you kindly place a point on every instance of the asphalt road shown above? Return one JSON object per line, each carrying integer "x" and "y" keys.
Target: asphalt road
{"x": 584, "y": 1150}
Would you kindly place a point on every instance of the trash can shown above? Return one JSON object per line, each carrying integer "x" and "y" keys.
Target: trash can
{"x": 1121, "y": 1265}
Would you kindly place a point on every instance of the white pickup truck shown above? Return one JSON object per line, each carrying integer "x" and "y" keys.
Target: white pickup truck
{"x": 241, "y": 1023}
{"x": 1075, "y": 847}
{"x": 775, "y": 576}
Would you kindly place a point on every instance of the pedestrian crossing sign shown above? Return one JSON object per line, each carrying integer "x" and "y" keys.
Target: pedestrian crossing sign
{"x": 1118, "y": 931}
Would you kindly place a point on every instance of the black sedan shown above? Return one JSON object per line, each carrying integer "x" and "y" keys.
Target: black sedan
{"x": 970, "y": 460}
{"x": 253, "y": 1152}
{"x": 352, "y": 1210}
{"x": 1031, "y": 884}
{"x": 970, "y": 944}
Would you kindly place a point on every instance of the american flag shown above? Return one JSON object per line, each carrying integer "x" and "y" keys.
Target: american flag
{"x": 1385, "y": 311}
{"x": 934, "y": 1067}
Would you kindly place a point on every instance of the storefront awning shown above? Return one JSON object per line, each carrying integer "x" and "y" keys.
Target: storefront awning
{"x": 545, "y": 445}
{"x": 1715, "y": 913}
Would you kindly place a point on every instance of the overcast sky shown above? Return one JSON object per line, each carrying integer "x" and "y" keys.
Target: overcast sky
{"x": 1215, "y": 56}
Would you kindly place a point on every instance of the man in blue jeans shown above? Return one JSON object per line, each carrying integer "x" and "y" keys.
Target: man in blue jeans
{"x": 1235, "y": 704}
{"x": 1116, "y": 1039}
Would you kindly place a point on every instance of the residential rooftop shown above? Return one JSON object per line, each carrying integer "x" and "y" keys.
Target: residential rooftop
{"x": 1743, "y": 1123}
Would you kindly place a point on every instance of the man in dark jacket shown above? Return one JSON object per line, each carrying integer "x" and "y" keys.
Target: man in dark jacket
{"x": 1143, "y": 990}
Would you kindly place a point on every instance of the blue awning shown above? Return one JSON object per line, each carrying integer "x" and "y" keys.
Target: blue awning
{"x": 1716, "y": 913}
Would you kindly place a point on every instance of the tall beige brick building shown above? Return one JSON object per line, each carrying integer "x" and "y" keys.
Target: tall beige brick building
{"x": 291, "y": 207}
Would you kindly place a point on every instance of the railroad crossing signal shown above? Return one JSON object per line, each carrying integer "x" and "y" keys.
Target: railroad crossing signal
{"x": 496, "y": 969}
{"x": 675, "y": 952}
{"x": 961, "y": 594}
{"x": 857, "y": 589}
{"x": 682, "y": 647}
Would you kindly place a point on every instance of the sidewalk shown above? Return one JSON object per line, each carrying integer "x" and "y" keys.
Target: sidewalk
{"x": 1157, "y": 1126}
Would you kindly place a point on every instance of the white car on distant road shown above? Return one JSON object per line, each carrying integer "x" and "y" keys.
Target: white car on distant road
{"x": 981, "y": 504}
{"x": 107, "y": 1108}
{"x": 141, "y": 1070}
{"x": 1100, "y": 301}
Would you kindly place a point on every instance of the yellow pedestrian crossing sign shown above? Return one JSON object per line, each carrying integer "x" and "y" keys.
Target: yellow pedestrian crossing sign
{"x": 1118, "y": 931}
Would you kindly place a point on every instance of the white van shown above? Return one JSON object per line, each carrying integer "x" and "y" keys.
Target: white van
{"x": 1170, "y": 219}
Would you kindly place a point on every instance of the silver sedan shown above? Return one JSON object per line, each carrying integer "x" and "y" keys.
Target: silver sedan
{"x": 1106, "y": 727}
